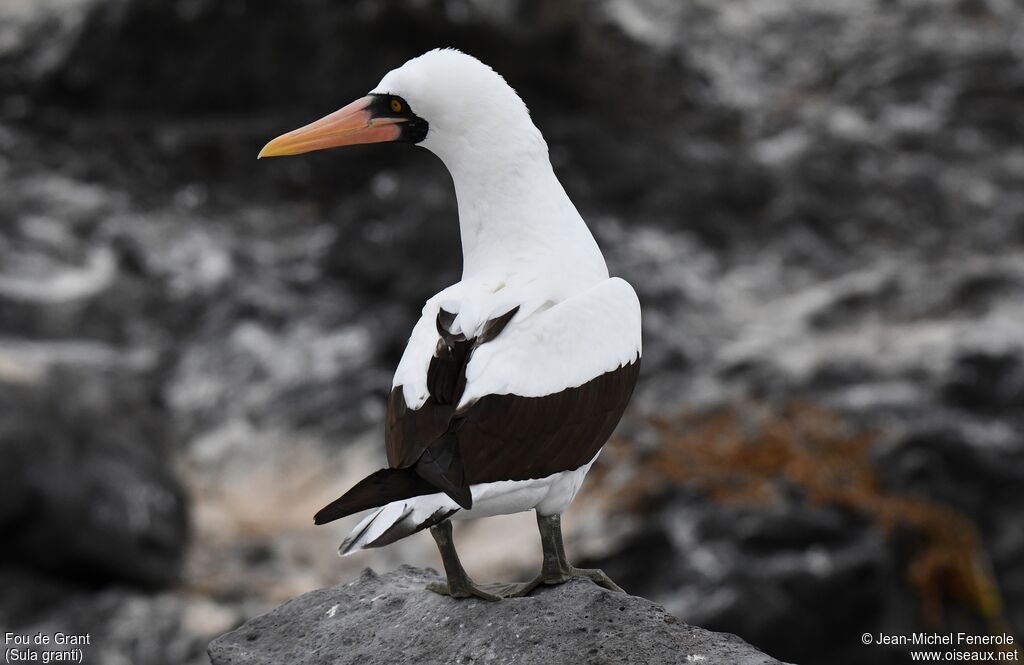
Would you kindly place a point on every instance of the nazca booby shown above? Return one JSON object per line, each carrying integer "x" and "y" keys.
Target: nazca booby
{"x": 514, "y": 377}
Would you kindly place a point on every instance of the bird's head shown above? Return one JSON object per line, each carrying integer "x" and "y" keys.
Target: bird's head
{"x": 444, "y": 100}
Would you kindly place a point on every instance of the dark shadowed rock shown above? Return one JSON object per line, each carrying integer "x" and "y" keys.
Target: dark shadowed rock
{"x": 127, "y": 625}
{"x": 85, "y": 494}
{"x": 392, "y": 619}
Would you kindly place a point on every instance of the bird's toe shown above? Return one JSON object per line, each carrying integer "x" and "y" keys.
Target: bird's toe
{"x": 598, "y": 577}
{"x": 464, "y": 590}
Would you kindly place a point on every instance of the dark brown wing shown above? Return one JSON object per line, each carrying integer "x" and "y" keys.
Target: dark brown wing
{"x": 424, "y": 439}
{"x": 409, "y": 431}
{"x": 499, "y": 437}
{"x": 508, "y": 437}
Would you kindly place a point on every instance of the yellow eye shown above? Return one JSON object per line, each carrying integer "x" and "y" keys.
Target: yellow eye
{"x": 396, "y": 106}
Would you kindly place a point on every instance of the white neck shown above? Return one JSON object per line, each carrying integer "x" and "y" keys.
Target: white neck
{"x": 517, "y": 221}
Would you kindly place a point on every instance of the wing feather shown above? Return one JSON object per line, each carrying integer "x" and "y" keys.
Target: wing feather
{"x": 534, "y": 397}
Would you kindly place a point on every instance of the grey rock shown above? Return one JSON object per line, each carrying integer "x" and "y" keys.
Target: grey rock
{"x": 391, "y": 618}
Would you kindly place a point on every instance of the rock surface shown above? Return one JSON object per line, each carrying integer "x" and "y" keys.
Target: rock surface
{"x": 391, "y": 618}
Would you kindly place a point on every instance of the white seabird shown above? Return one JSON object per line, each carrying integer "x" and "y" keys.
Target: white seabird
{"x": 514, "y": 377}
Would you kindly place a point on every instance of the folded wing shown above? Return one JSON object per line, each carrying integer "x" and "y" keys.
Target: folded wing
{"x": 523, "y": 399}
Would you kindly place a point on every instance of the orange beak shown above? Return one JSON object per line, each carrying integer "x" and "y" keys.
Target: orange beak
{"x": 351, "y": 125}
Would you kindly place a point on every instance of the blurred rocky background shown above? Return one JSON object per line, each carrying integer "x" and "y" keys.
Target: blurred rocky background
{"x": 821, "y": 205}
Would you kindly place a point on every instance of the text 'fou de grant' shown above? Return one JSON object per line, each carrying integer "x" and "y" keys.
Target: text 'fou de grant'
{"x": 60, "y": 639}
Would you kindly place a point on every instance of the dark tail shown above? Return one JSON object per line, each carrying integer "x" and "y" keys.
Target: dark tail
{"x": 375, "y": 490}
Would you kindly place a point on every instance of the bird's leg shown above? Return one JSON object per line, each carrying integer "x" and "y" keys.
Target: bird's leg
{"x": 459, "y": 584}
{"x": 556, "y": 569}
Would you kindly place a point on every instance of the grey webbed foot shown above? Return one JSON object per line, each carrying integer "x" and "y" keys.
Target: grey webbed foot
{"x": 462, "y": 589}
{"x": 596, "y": 576}
{"x": 556, "y": 568}
{"x": 458, "y": 583}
